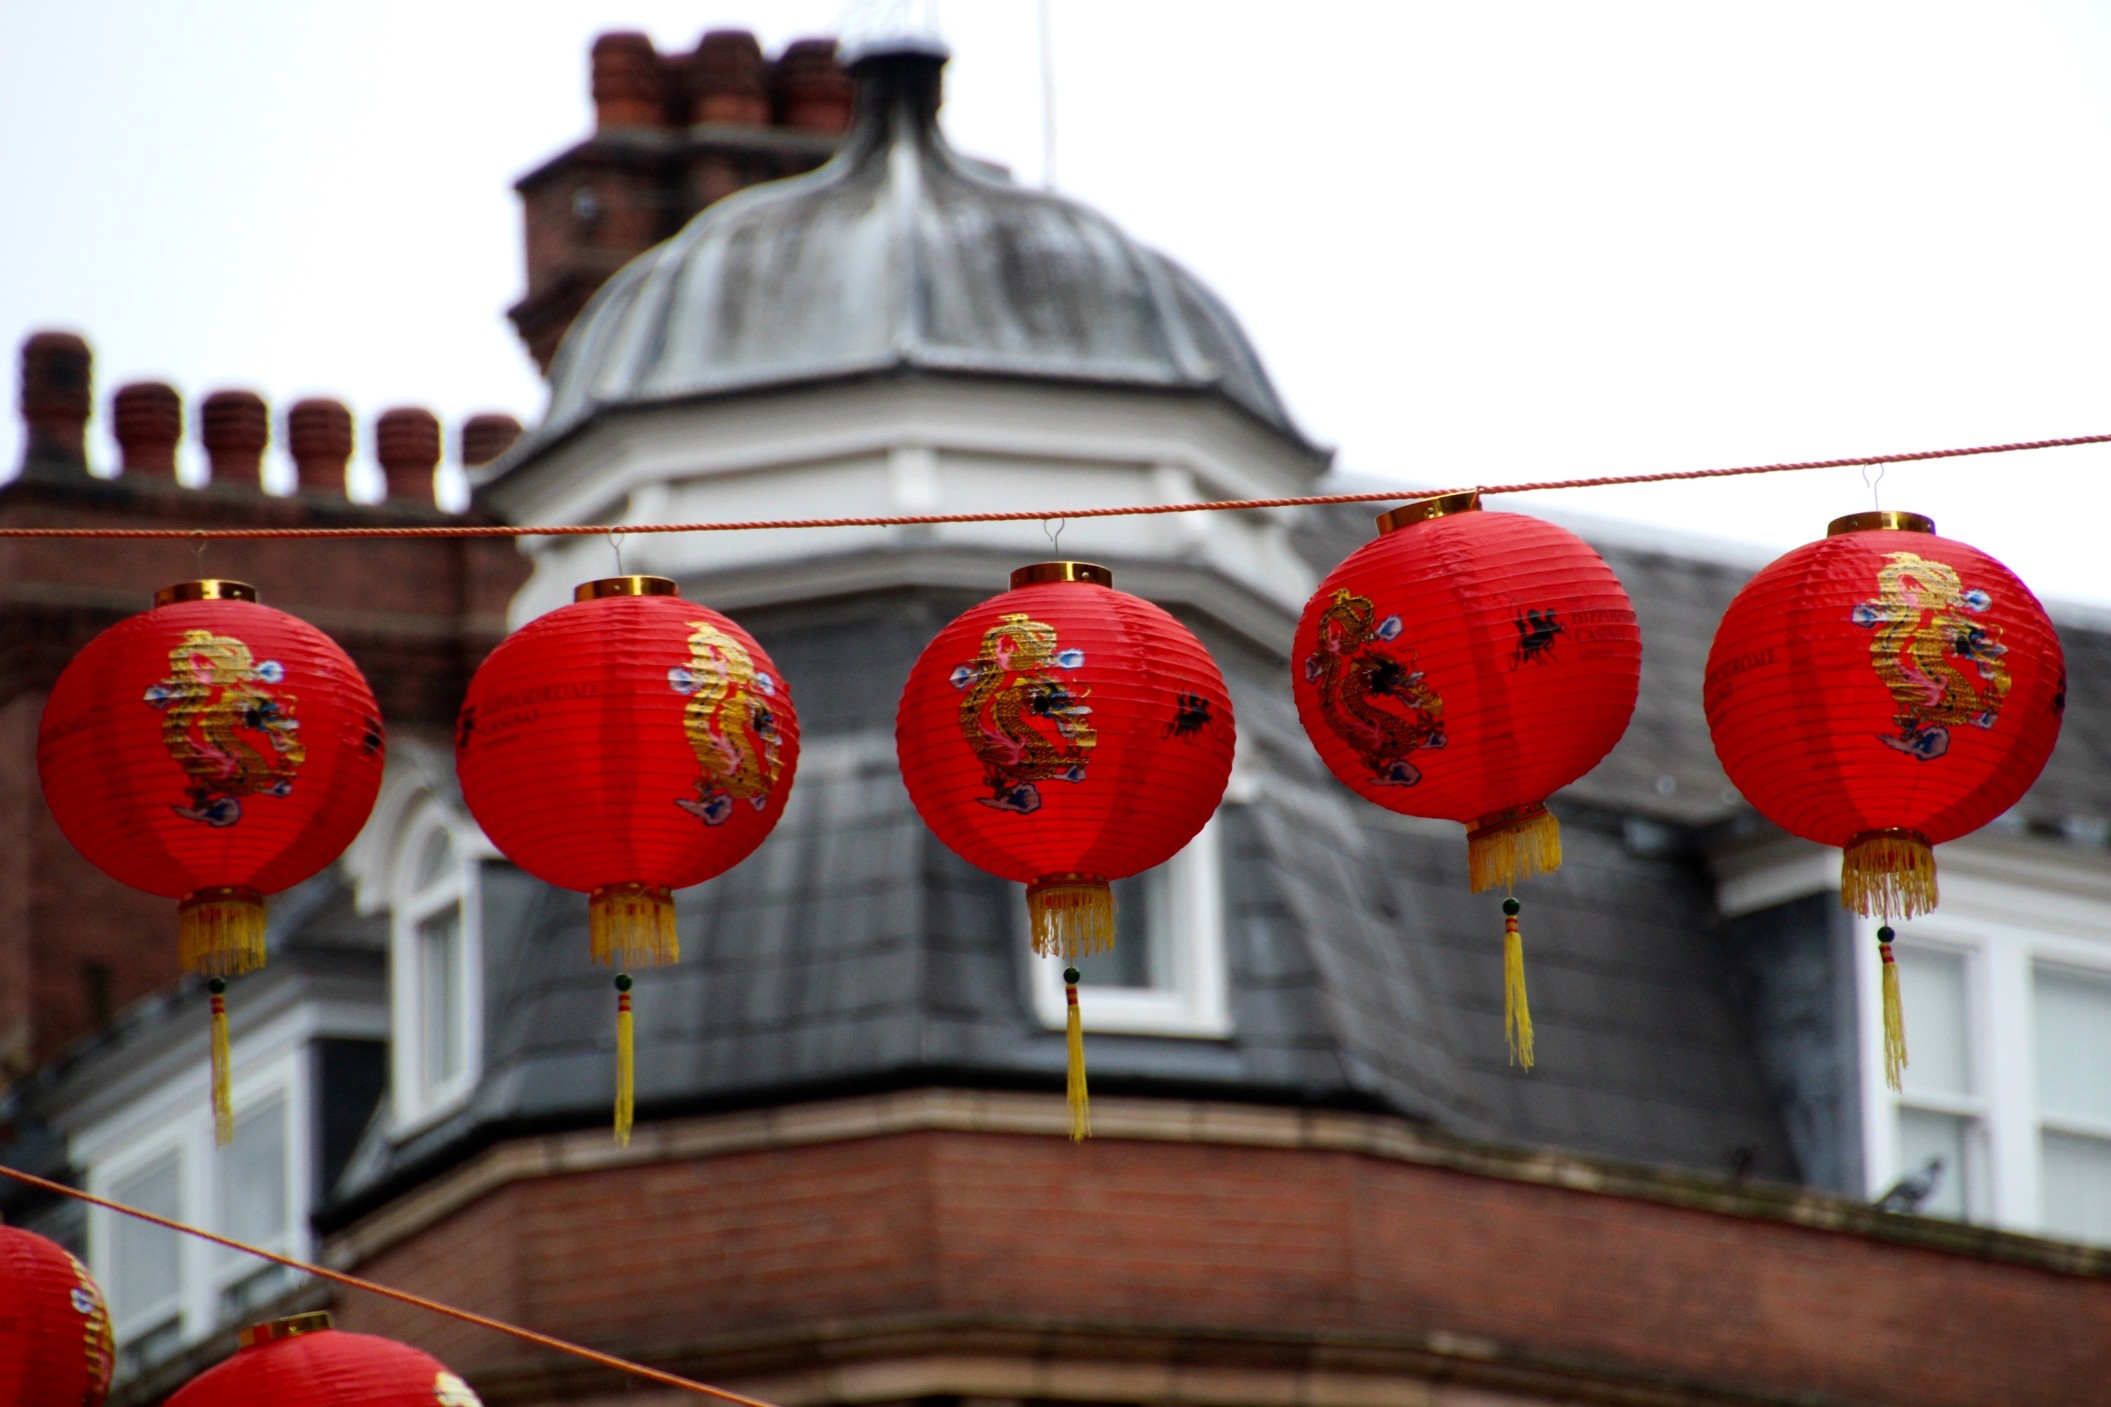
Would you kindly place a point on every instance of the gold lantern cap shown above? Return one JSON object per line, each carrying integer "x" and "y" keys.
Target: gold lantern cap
{"x": 625, "y": 586}
{"x": 292, "y": 1327}
{"x": 1090, "y": 573}
{"x": 205, "y": 589}
{"x": 1442, "y": 506}
{"x": 1881, "y": 520}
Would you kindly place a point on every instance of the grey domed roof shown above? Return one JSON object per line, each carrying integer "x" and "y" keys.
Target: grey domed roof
{"x": 898, "y": 255}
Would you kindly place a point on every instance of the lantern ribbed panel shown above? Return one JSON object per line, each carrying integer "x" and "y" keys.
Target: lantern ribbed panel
{"x": 327, "y": 1368}
{"x": 1161, "y": 725}
{"x": 1826, "y": 725}
{"x": 1528, "y": 655}
{"x": 619, "y": 741}
{"x": 55, "y": 1345}
{"x": 253, "y": 687}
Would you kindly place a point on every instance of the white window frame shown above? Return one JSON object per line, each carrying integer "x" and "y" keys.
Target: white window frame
{"x": 1195, "y": 1001}
{"x": 274, "y": 1065}
{"x": 2007, "y": 907}
{"x": 126, "y": 1322}
{"x": 415, "y": 1103}
{"x": 233, "y": 1267}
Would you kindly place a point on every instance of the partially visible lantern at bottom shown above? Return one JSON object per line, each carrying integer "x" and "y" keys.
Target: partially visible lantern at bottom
{"x": 55, "y": 1344}
{"x": 303, "y": 1362}
{"x": 1464, "y": 665}
{"x": 625, "y": 746}
{"x": 1063, "y": 735}
{"x": 1884, "y": 690}
{"x": 212, "y": 751}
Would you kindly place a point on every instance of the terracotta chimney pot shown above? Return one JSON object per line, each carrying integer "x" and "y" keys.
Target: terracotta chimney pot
{"x": 486, "y": 437}
{"x": 630, "y": 86}
{"x": 814, "y": 93}
{"x": 728, "y": 79}
{"x": 236, "y": 426}
{"x": 147, "y": 417}
{"x": 407, "y": 442}
{"x": 57, "y": 397}
{"x": 319, "y": 437}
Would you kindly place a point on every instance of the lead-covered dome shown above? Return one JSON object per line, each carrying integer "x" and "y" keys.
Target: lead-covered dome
{"x": 898, "y": 255}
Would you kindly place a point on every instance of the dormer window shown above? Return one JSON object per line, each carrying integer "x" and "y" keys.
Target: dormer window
{"x": 435, "y": 968}
{"x": 1166, "y": 974}
{"x": 2007, "y": 992}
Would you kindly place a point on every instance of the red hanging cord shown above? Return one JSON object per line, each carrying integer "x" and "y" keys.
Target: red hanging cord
{"x": 1040, "y": 515}
{"x": 606, "y": 1360}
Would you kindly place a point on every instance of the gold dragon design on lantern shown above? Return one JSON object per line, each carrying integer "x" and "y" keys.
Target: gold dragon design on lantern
{"x": 730, "y": 723}
{"x": 1926, "y": 631}
{"x": 225, "y": 727}
{"x": 1024, "y": 722}
{"x": 1373, "y": 699}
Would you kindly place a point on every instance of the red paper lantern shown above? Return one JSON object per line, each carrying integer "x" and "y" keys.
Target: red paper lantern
{"x": 212, "y": 751}
{"x": 1064, "y": 735}
{"x": 1465, "y": 665}
{"x": 303, "y": 1362}
{"x": 55, "y": 1344}
{"x": 1885, "y": 690}
{"x": 625, "y": 746}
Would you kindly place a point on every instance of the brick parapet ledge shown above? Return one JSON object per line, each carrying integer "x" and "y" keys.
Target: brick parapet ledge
{"x": 418, "y": 616}
{"x": 1220, "y": 1236}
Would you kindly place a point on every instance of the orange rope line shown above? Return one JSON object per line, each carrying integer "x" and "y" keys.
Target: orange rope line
{"x": 606, "y": 1360}
{"x": 1039, "y": 515}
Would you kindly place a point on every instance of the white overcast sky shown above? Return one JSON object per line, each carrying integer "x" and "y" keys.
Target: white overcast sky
{"x": 1488, "y": 241}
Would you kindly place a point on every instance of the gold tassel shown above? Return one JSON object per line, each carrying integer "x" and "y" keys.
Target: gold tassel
{"x": 626, "y": 1061}
{"x": 1073, "y": 916}
{"x": 1512, "y": 845}
{"x": 1074, "y": 1084}
{"x": 220, "y": 932}
{"x": 1888, "y": 874}
{"x": 1517, "y": 1013}
{"x": 223, "y": 1073}
{"x": 632, "y": 925}
{"x": 1894, "y": 1013}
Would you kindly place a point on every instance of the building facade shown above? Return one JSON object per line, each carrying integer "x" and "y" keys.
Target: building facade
{"x": 1315, "y": 1177}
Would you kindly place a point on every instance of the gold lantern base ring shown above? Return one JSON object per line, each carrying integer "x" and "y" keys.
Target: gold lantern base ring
{"x": 632, "y": 925}
{"x": 1888, "y": 874}
{"x": 220, "y": 931}
{"x": 1073, "y": 915}
{"x": 1512, "y": 845}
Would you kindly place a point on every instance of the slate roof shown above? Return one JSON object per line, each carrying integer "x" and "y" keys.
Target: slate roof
{"x": 853, "y": 951}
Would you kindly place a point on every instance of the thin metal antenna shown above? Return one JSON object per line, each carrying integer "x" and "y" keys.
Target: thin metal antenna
{"x": 1046, "y": 16}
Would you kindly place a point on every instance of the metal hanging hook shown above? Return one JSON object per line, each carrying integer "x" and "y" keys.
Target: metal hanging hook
{"x": 198, "y": 545}
{"x": 1875, "y": 499}
{"x": 1053, "y": 527}
{"x": 615, "y": 545}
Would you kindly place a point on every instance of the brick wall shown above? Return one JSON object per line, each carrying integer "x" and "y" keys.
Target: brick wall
{"x": 1237, "y": 1247}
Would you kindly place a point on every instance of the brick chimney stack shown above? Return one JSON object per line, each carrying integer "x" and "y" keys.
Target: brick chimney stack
{"x": 630, "y": 87}
{"x": 57, "y": 391}
{"x": 319, "y": 437}
{"x": 728, "y": 80}
{"x": 407, "y": 442}
{"x": 147, "y": 417}
{"x": 673, "y": 133}
{"x": 486, "y": 437}
{"x": 236, "y": 428}
{"x": 814, "y": 94}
